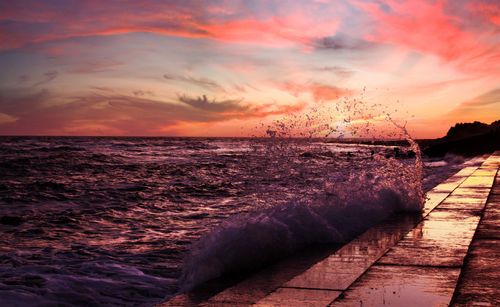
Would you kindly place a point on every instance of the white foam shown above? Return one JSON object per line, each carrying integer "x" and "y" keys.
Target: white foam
{"x": 350, "y": 204}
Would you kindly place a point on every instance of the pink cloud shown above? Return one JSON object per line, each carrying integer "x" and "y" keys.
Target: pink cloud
{"x": 293, "y": 29}
{"x": 420, "y": 25}
{"x": 486, "y": 11}
{"x": 90, "y": 18}
{"x": 438, "y": 28}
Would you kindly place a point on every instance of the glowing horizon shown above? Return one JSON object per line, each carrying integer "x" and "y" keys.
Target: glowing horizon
{"x": 222, "y": 68}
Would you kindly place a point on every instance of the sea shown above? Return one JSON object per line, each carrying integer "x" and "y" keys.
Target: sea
{"x": 132, "y": 221}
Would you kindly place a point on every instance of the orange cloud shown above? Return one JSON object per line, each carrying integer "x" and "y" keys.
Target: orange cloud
{"x": 271, "y": 109}
{"x": 319, "y": 92}
{"x": 111, "y": 113}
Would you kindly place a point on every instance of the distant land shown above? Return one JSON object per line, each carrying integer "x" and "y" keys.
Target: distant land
{"x": 465, "y": 139}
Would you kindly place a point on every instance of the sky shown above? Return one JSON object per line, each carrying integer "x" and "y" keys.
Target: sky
{"x": 228, "y": 67}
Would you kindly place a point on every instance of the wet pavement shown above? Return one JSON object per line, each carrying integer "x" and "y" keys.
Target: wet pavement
{"x": 479, "y": 282}
{"x": 401, "y": 286}
{"x": 423, "y": 269}
{"x": 450, "y": 250}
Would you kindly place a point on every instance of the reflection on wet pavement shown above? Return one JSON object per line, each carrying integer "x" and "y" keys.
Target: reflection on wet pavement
{"x": 466, "y": 202}
{"x": 342, "y": 268}
{"x": 441, "y": 239}
{"x": 402, "y": 286}
{"x": 465, "y": 172}
{"x": 299, "y": 297}
{"x": 478, "y": 284}
{"x": 478, "y": 182}
{"x": 433, "y": 199}
{"x": 485, "y": 171}
{"x": 490, "y": 223}
{"x": 423, "y": 268}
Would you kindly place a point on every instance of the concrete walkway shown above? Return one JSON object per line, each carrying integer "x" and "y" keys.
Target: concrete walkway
{"x": 408, "y": 260}
{"x": 479, "y": 282}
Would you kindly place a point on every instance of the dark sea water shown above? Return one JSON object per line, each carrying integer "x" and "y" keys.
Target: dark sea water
{"x": 132, "y": 221}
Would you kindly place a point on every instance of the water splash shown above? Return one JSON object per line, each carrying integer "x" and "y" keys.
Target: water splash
{"x": 356, "y": 188}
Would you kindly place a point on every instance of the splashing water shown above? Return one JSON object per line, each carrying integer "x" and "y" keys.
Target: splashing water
{"x": 335, "y": 201}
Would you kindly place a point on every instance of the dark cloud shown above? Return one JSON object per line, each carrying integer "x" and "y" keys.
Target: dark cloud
{"x": 224, "y": 106}
{"x": 23, "y": 78}
{"x": 50, "y": 75}
{"x": 47, "y": 77}
{"x": 114, "y": 114}
{"x": 140, "y": 93}
{"x": 102, "y": 89}
{"x": 384, "y": 7}
{"x": 201, "y": 82}
{"x": 341, "y": 42}
{"x": 479, "y": 16}
{"x": 341, "y": 72}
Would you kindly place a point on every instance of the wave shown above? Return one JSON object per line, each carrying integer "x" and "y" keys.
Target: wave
{"x": 352, "y": 201}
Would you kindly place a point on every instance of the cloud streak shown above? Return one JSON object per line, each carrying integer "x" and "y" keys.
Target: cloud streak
{"x": 47, "y": 77}
{"x": 106, "y": 114}
{"x": 341, "y": 43}
{"x": 479, "y": 108}
{"x": 200, "y": 82}
{"x": 92, "y": 67}
{"x": 223, "y": 107}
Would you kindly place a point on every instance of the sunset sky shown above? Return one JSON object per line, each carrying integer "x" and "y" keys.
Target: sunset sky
{"x": 221, "y": 68}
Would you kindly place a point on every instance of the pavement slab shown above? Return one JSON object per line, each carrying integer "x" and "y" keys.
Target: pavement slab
{"x": 441, "y": 239}
{"x": 385, "y": 285}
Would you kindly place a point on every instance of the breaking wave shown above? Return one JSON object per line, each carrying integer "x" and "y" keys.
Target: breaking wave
{"x": 352, "y": 198}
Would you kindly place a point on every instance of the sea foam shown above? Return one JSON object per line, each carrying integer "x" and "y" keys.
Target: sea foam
{"x": 352, "y": 201}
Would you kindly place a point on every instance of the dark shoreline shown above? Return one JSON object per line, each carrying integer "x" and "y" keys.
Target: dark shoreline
{"x": 464, "y": 139}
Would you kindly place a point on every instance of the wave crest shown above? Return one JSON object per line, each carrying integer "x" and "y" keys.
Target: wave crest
{"x": 350, "y": 203}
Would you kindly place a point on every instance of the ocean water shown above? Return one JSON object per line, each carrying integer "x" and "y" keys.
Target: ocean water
{"x": 133, "y": 221}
